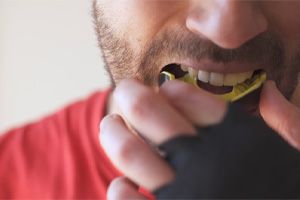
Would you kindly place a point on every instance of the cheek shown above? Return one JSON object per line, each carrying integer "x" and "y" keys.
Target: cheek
{"x": 138, "y": 21}
{"x": 285, "y": 18}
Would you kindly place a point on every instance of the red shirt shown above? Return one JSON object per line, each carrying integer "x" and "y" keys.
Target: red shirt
{"x": 59, "y": 156}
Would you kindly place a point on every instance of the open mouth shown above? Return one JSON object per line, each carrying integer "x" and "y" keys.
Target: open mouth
{"x": 230, "y": 86}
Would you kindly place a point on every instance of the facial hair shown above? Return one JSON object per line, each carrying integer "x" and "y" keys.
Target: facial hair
{"x": 121, "y": 62}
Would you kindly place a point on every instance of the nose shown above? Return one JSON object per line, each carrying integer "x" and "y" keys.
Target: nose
{"x": 227, "y": 23}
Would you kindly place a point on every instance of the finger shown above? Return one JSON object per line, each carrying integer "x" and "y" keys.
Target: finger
{"x": 296, "y": 96}
{"x": 197, "y": 105}
{"x": 280, "y": 114}
{"x": 132, "y": 156}
{"x": 149, "y": 113}
{"x": 122, "y": 188}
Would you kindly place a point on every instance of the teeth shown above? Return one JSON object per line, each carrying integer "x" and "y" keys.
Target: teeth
{"x": 203, "y": 76}
{"x": 218, "y": 79}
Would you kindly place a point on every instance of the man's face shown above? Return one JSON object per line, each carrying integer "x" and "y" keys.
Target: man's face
{"x": 222, "y": 40}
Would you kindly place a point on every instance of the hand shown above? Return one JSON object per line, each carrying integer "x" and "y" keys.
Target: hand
{"x": 159, "y": 117}
{"x": 280, "y": 114}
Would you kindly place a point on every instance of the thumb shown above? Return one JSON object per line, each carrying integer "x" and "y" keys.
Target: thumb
{"x": 280, "y": 114}
{"x": 296, "y": 96}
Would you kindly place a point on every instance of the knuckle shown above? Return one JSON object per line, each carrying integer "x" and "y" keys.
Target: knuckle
{"x": 126, "y": 150}
{"x": 141, "y": 103}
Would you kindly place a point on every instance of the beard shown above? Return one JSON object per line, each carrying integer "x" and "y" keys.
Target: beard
{"x": 122, "y": 62}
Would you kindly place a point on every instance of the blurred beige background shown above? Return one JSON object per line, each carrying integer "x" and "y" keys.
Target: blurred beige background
{"x": 48, "y": 58}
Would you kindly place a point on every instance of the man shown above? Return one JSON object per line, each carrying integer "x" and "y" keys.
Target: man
{"x": 218, "y": 37}
{"x": 59, "y": 157}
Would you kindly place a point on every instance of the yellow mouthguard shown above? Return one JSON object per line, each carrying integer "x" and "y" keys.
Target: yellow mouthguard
{"x": 239, "y": 91}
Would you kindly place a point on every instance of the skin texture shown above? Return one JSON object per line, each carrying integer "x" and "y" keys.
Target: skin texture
{"x": 139, "y": 37}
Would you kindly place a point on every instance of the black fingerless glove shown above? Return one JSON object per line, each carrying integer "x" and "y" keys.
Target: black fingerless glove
{"x": 239, "y": 158}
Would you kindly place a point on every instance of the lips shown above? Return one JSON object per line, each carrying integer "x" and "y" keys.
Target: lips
{"x": 241, "y": 87}
{"x": 214, "y": 82}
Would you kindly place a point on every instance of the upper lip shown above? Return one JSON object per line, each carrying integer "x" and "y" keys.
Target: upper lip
{"x": 218, "y": 67}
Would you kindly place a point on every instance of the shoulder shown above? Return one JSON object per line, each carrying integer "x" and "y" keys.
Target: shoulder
{"x": 59, "y": 148}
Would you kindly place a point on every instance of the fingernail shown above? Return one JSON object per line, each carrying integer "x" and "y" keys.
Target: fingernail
{"x": 105, "y": 127}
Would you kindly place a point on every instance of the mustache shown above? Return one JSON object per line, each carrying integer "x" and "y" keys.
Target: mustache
{"x": 265, "y": 48}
